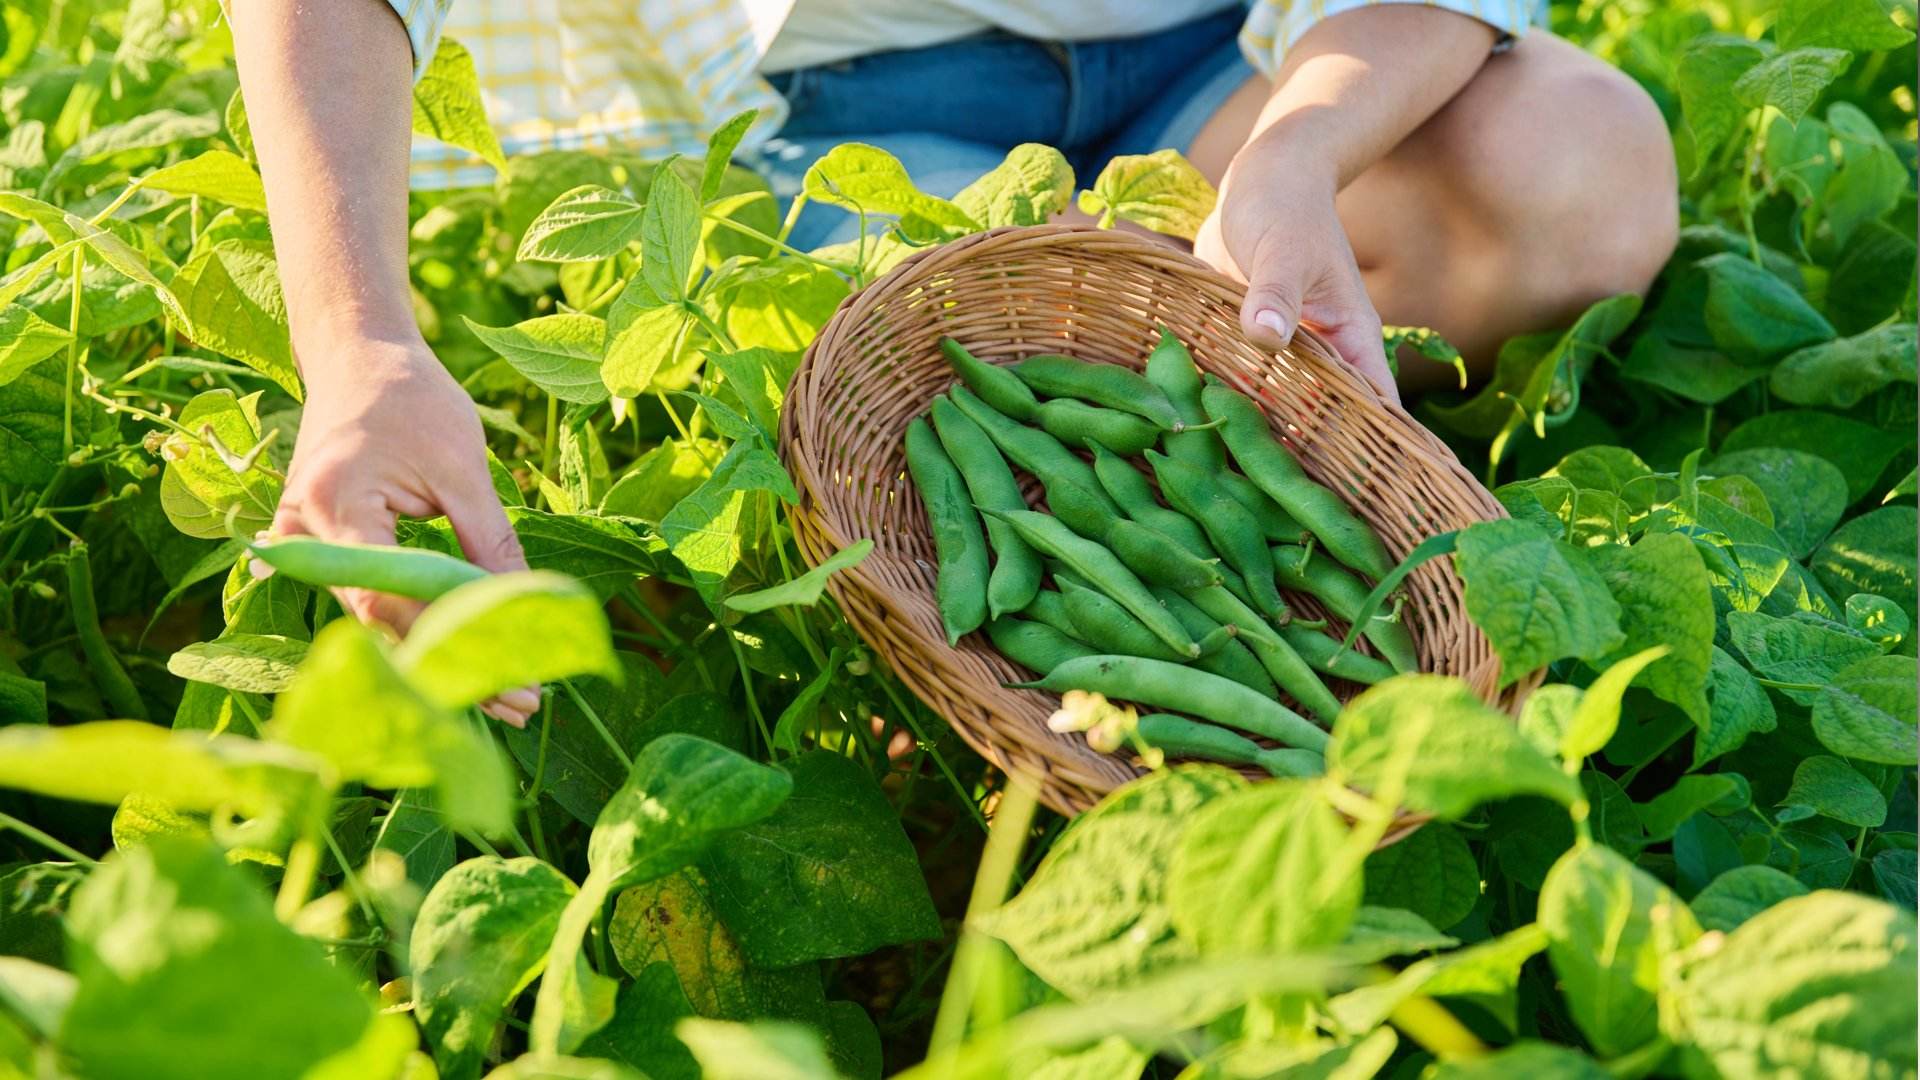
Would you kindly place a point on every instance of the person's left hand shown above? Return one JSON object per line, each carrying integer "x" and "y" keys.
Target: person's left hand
{"x": 1275, "y": 229}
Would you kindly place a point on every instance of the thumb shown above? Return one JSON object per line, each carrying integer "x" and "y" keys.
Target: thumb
{"x": 1275, "y": 291}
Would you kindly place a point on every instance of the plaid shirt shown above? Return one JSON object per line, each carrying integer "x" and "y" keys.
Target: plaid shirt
{"x": 657, "y": 76}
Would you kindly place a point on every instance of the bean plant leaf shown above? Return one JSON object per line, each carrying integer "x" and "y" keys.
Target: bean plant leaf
{"x": 250, "y": 663}
{"x": 1704, "y": 78}
{"x": 1861, "y": 451}
{"x": 1807, "y": 493}
{"x": 641, "y": 341}
{"x": 1740, "y": 894}
{"x": 1536, "y": 599}
{"x": 703, "y": 529}
{"x": 866, "y": 178}
{"x": 582, "y": 770}
{"x": 480, "y": 937}
{"x": 1755, "y": 317}
{"x": 220, "y": 175}
{"x": 502, "y": 632}
{"x": 1805, "y": 651}
{"x": 829, "y": 873}
{"x": 762, "y": 1050}
{"x": 1597, "y": 715}
{"x": 1666, "y": 600}
{"x": 1431, "y": 873}
{"x": 1839, "y": 374}
{"x": 669, "y": 235}
{"x": 1867, "y": 714}
{"x": 1487, "y": 972}
{"x": 682, "y": 792}
{"x": 720, "y": 147}
{"x": 106, "y": 761}
{"x": 1443, "y": 747}
{"x": 1161, "y": 191}
{"x": 1260, "y": 871}
{"x": 1878, "y": 619}
{"x": 1856, "y": 25}
{"x": 1834, "y": 789}
{"x": 447, "y": 104}
{"x": 1814, "y": 984}
{"x": 558, "y": 353}
{"x": 201, "y": 490}
{"x": 1873, "y": 553}
{"x": 1034, "y": 183}
{"x": 231, "y": 296}
{"x": 1610, "y": 926}
{"x": 1663, "y": 814}
{"x": 805, "y": 590}
{"x": 25, "y": 340}
{"x": 1791, "y": 80}
{"x": 586, "y": 224}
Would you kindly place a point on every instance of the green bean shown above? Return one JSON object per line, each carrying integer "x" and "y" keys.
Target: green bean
{"x": 1159, "y": 559}
{"x": 1170, "y": 367}
{"x": 1228, "y": 525}
{"x": 1050, "y": 609}
{"x": 1233, "y": 661}
{"x": 1111, "y": 385}
{"x": 1325, "y": 655}
{"x": 117, "y": 691}
{"x": 1016, "y": 566}
{"x": 1183, "y": 689}
{"x": 1081, "y": 425}
{"x": 1276, "y": 654}
{"x": 1032, "y": 449}
{"x": 996, "y": 385}
{"x": 401, "y": 571}
{"x": 1104, "y": 570}
{"x": 1128, "y": 487}
{"x": 1275, "y": 524}
{"x": 1345, "y": 595}
{"x": 1111, "y": 628}
{"x": 1181, "y": 737}
{"x": 1033, "y": 645}
{"x": 960, "y": 589}
{"x": 1084, "y": 510}
{"x": 1274, "y": 468}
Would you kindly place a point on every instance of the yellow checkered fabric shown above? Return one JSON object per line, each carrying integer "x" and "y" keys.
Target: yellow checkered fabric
{"x": 1273, "y": 26}
{"x": 656, "y": 76}
{"x": 651, "y": 77}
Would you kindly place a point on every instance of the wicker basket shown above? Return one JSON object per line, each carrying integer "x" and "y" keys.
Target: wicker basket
{"x": 1099, "y": 295}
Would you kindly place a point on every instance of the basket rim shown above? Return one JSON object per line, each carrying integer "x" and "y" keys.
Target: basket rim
{"x": 1310, "y": 350}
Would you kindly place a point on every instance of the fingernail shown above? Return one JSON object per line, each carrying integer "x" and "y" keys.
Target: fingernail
{"x": 259, "y": 568}
{"x": 1271, "y": 319}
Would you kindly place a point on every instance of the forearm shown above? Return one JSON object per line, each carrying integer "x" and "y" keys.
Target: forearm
{"x": 1358, "y": 83}
{"x": 328, "y": 90}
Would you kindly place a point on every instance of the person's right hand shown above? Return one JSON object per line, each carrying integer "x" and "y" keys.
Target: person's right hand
{"x": 387, "y": 431}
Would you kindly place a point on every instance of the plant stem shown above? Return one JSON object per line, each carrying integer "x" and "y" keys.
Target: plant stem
{"x": 45, "y": 840}
{"x": 976, "y": 950}
{"x": 73, "y": 344}
{"x": 781, "y": 245}
{"x": 599, "y": 726}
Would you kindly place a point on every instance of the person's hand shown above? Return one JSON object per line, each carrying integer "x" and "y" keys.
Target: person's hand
{"x": 387, "y": 431}
{"x": 1275, "y": 229}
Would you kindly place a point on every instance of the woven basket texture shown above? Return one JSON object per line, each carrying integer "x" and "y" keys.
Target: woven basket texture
{"x": 1098, "y": 295}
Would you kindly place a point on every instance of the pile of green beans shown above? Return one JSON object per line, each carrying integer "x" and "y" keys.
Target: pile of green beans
{"x": 1174, "y": 519}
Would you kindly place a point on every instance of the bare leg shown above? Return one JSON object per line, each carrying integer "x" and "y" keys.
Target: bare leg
{"x": 1544, "y": 185}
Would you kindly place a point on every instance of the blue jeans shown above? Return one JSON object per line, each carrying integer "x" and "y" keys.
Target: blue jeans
{"x": 951, "y": 112}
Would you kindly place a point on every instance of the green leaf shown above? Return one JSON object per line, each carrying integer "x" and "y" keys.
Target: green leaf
{"x": 1448, "y": 749}
{"x": 1894, "y": 872}
{"x": 1814, "y": 985}
{"x": 1380, "y": 932}
{"x": 480, "y": 937}
{"x": 703, "y": 529}
{"x": 1840, "y": 373}
{"x": 1666, "y": 599}
{"x": 641, "y": 1031}
{"x": 1755, "y": 317}
{"x": 660, "y": 478}
{"x": 1528, "y": 1058}
{"x": 1704, "y": 79}
{"x": 581, "y": 771}
{"x": 642, "y": 341}
{"x": 558, "y": 353}
{"x": 231, "y": 297}
{"x": 1663, "y": 814}
{"x": 116, "y": 147}
{"x": 1535, "y": 598}
{"x": 350, "y": 706}
{"x": 720, "y": 147}
{"x": 1426, "y": 342}
{"x": 586, "y": 224}
{"x": 1873, "y": 553}
{"x": 763, "y": 1050}
{"x": 1702, "y": 375}
{"x": 141, "y": 1008}
{"x": 830, "y": 873}
{"x": 25, "y": 340}
{"x": 1597, "y": 715}
{"x": 220, "y": 175}
{"x": 1034, "y": 183}
{"x": 1609, "y": 927}
{"x": 1487, "y": 972}
{"x": 505, "y": 631}
{"x": 108, "y": 760}
{"x": 33, "y": 425}
{"x": 1791, "y": 80}
{"x": 1161, "y": 191}
{"x": 1834, "y": 789}
{"x": 779, "y": 304}
{"x": 416, "y": 831}
{"x": 447, "y": 105}
{"x": 1431, "y": 873}
{"x": 859, "y": 177}
{"x": 1807, "y": 493}
{"x": 1861, "y": 451}
{"x": 248, "y": 663}
{"x": 1740, "y": 894}
{"x": 805, "y": 590}
{"x": 1856, "y": 25}
{"x": 1261, "y": 871}
{"x": 1873, "y": 274}
{"x": 1868, "y": 712}
{"x": 682, "y": 792}
{"x": 1094, "y": 916}
{"x": 1536, "y": 371}
{"x": 1878, "y": 619}
{"x": 1804, "y": 649}
{"x": 1871, "y": 177}
{"x": 669, "y": 235}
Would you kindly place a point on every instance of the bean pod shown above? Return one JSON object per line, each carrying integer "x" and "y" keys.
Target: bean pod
{"x": 1170, "y": 368}
{"x": 1344, "y": 595}
{"x": 1128, "y": 487}
{"x": 1016, "y": 566}
{"x": 1104, "y": 571}
{"x": 1033, "y": 645}
{"x": 960, "y": 588}
{"x": 1229, "y": 527}
{"x": 1084, "y": 426}
{"x": 401, "y": 571}
{"x": 996, "y": 385}
{"x": 1178, "y": 736}
{"x": 1183, "y": 689}
{"x": 1233, "y": 661}
{"x": 1110, "y": 385}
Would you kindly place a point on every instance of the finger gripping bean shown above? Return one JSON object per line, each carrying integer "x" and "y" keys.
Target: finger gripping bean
{"x": 1276, "y": 471}
{"x": 1016, "y": 573}
{"x": 1111, "y": 385}
{"x": 1229, "y": 527}
{"x": 1104, "y": 571}
{"x": 1183, "y": 689}
{"x": 960, "y": 587}
{"x": 401, "y": 571}
{"x": 996, "y": 385}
